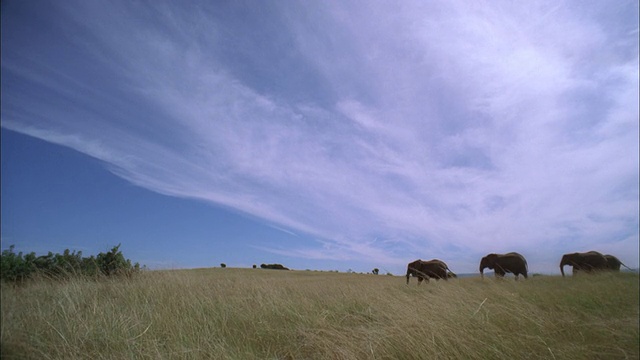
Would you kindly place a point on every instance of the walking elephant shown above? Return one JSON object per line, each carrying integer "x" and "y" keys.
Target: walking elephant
{"x": 424, "y": 270}
{"x": 505, "y": 263}
{"x": 586, "y": 261}
{"x": 613, "y": 263}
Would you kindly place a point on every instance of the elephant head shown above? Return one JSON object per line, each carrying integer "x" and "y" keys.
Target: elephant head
{"x": 587, "y": 261}
{"x": 488, "y": 261}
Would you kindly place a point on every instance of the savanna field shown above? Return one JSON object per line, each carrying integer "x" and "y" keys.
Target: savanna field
{"x": 270, "y": 314}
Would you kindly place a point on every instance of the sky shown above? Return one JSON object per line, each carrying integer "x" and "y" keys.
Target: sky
{"x": 327, "y": 135}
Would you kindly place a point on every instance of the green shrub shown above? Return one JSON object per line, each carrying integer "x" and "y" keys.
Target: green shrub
{"x": 18, "y": 267}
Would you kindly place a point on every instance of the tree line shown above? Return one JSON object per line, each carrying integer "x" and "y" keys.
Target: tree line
{"x": 18, "y": 267}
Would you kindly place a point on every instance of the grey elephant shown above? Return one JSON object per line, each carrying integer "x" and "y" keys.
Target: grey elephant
{"x": 505, "y": 263}
{"x": 586, "y": 261}
{"x": 613, "y": 263}
{"x": 424, "y": 270}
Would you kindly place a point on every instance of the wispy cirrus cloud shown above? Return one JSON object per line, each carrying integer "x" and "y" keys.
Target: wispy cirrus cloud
{"x": 438, "y": 128}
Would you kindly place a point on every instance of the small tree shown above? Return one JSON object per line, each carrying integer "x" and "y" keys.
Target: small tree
{"x": 375, "y": 271}
{"x": 254, "y": 266}
{"x": 223, "y": 265}
{"x": 114, "y": 263}
{"x": 13, "y": 265}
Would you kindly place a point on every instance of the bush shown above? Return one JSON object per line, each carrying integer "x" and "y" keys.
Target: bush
{"x": 114, "y": 263}
{"x": 274, "y": 267}
{"x": 19, "y": 267}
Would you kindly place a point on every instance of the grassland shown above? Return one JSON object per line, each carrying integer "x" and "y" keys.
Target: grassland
{"x": 268, "y": 314}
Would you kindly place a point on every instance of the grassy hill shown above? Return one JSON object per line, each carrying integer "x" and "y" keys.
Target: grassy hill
{"x": 262, "y": 314}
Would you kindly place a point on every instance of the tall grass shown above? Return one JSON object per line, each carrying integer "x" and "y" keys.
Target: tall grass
{"x": 263, "y": 314}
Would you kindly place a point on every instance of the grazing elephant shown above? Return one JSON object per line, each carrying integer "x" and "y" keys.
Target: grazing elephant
{"x": 504, "y": 263}
{"x": 435, "y": 268}
{"x": 613, "y": 263}
{"x": 587, "y": 261}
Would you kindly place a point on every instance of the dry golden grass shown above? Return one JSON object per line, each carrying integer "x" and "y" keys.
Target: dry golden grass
{"x": 270, "y": 314}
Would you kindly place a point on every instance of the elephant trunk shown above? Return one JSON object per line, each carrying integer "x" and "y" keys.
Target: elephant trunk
{"x": 482, "y": 271}
{"x": 408, "y": 275}
{"x": 562, "y": 264}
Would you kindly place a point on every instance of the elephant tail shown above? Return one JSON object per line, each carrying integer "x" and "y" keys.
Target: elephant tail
{"x": 626, "y": 266}
{"x": 452, "y": 273}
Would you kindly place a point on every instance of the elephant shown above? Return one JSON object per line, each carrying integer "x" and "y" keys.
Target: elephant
{"x": 435, "y": 268}
{"x": 613, "y": 263}
{"x": 586, "y": 261}
{"x": 504, "y": 263}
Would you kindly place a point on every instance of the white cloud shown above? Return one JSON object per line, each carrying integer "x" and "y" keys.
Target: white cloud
{"x": 450, "y": 125}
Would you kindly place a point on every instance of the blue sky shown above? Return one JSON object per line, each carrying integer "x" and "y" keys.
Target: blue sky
{"x": 321, "y": 134}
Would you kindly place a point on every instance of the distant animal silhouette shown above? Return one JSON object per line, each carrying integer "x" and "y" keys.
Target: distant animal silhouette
{"x": 587, "y": 261}
{"x": 424, "y": 270}
{"x": 505, "y": 263}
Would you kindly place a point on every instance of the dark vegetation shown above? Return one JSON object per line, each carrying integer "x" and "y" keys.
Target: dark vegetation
{"x": 18, "y": 267}
{"x": 273, "y": 266}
